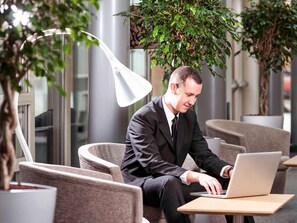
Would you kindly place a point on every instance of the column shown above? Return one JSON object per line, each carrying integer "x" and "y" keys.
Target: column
{"x": 107, "y": 121}
{"x": 275, "y": 94}
{"x": 211, "y": 103}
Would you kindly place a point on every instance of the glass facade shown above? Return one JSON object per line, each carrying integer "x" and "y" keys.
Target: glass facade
{"x": 52, "y": 118}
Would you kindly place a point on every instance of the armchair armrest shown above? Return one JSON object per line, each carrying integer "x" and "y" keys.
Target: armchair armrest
{"x": 101, "y": 165}
{"x": 77, "y": 171}
{"x": 229, "y": 136}
{"x": 228, "y": 152}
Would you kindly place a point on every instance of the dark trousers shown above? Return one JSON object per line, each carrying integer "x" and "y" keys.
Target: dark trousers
{"x": 169, "y": 193}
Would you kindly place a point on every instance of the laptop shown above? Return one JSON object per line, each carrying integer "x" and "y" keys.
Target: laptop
{"x": 253, "y": 175}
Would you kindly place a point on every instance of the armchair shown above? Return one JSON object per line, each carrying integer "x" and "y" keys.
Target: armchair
{"x": 107, "y": 158}
{"x": 86, "y": 196}
{"x": 255, "y": 138}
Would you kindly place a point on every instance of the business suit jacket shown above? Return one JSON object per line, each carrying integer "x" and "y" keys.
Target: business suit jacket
{"x": 149, "y": 149}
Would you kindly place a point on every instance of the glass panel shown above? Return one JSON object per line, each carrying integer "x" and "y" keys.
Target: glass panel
{"x": 43, "y": 123}
{"x": 139, "y": 64}
{"x": 133, "y": 2}
{"x": 79, "y": 101}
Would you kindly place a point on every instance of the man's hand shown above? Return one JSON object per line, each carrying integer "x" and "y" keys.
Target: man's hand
{"x": 211, "y": 184}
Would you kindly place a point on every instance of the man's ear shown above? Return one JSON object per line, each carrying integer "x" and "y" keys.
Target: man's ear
{"x": 173, "y": 88}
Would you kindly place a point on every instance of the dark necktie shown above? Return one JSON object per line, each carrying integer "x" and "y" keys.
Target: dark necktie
{"x": 174, "y": 130}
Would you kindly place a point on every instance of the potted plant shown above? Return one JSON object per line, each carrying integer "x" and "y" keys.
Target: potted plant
{"x": 269, "y": 34}
{"x": 42, "y": 57}
{"x": 180, "y": 33}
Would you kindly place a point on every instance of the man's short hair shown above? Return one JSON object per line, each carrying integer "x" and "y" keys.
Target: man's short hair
{"x": 181, "y": 74}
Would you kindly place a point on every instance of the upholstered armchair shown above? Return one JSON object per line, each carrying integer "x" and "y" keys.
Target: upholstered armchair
{"x": 255, "y": 138}
{"x": 107, "y": 158}
{"x": 86, "y": 196}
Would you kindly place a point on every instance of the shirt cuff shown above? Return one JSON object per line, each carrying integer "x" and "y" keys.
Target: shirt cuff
{"x": 223, "y": 171}
{"x": 183, "y": 177}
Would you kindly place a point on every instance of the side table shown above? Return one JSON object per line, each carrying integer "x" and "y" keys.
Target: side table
{"x": 291, "y": 162}
{"x": 238, "y": 207}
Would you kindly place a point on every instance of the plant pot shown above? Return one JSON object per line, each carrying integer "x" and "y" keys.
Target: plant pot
{"x": 274, "y": 121}
{"x": 26, "y": 202}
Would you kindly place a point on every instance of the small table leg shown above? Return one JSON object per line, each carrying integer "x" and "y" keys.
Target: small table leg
{"x": 238, "y": 218}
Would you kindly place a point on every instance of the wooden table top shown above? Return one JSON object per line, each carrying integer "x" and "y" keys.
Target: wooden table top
{"x": 291, "y": 162}
{"x": 258, "y": 205}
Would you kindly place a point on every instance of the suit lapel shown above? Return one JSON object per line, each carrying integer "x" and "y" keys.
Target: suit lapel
{"x": 164, "y": 128}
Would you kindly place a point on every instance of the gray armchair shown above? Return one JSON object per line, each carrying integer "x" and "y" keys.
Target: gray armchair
{"x": 86, "y": 196}
{"x": 107, "y": 158}
{"x": 255, "y": 138}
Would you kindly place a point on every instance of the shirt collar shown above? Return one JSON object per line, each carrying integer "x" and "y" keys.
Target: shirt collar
{"x": 168, "y": 113}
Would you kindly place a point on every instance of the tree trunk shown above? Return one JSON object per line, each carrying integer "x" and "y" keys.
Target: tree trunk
{"x": 7, "y": 127}
{"x": 264, "y": 93}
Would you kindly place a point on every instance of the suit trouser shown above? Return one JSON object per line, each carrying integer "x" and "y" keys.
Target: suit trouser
{"x": 169, "y": 193}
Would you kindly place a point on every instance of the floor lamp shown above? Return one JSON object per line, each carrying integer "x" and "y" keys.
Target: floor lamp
{"x": 129, "y": 86}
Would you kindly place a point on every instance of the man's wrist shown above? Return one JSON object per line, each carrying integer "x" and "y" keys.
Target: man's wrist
{"x": 184, "y": 177}
{"x": 228, "y": 171}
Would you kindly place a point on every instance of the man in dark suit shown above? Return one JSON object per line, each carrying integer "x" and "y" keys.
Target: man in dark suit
{"x": 155, "y": 152}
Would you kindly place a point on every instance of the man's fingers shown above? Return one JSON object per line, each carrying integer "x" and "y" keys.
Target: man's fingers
{"x": 211, "y": 184}
{"x": 213, "y": 187}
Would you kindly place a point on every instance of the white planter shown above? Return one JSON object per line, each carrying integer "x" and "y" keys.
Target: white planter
{"x": 28, "y": 205}
{"x": 275, "y": 121}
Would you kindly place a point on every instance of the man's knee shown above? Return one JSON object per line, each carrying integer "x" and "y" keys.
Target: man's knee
{"x": 171, "y": 185}
{"x": 171, "y": 181}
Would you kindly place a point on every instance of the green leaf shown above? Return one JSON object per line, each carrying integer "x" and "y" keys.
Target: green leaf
{"x": 61, "y": 90}
{"x": 156, "y": 31}
{"x": 66, "y": 48}
{"x": 166, "y": 49}
{"x": 153, "y": 63}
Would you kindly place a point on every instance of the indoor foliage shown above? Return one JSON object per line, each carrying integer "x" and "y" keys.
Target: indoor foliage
{"x": 270, "y": 35}
{"x": 43, "y": 57}
{"x": 183, "y": 32}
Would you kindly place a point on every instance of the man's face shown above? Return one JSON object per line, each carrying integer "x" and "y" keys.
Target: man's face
{"x": 185, "y": 96}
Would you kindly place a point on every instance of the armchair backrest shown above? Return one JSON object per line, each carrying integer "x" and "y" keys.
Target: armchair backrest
{"x": 255, "y": 138}
{"x": 86, "y": 196}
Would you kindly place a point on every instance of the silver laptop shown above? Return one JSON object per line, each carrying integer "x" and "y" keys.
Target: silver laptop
{"x": 253, "y": 175}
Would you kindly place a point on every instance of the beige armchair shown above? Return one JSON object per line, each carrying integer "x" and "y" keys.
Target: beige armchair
{"x": 86, "y": 196}
{"x": 255, "y": 138}
{"x": 107, "y": 158}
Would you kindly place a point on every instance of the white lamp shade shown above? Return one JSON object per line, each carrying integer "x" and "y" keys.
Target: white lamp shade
{"x": 129, "y": 86}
